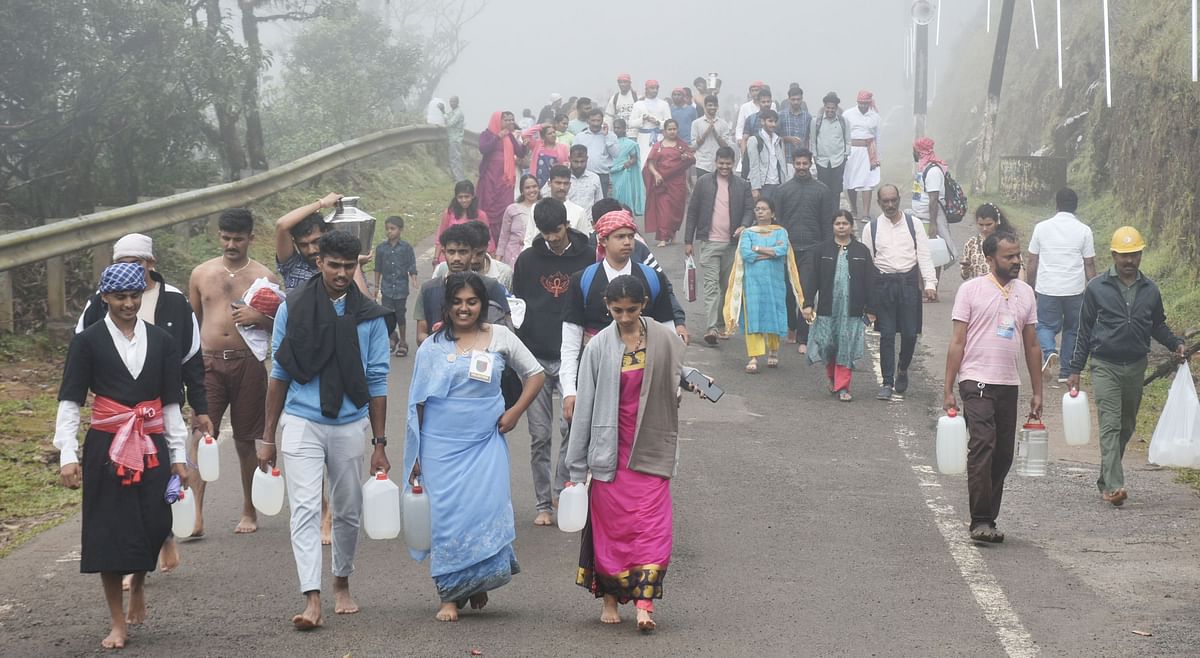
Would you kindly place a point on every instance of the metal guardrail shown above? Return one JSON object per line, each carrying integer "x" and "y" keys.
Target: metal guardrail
{"x": 61, "y": 237}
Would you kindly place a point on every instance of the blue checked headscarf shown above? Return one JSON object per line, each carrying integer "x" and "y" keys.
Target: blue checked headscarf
{"x": 122, "y": 277}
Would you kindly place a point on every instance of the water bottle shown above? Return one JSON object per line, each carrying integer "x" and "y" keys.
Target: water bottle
{"x": 208, "y": 459}
{"x": 183, "y": 514}
{"x": 266, "y": 492}
{"x": 952, "y": 443}
{"x": 1077, "y": 418}
{"x": 572, "y": 508}
{"x": 381, "y": 507}
{"x": 1033, "y": 449}
{"x": 417, "y": 531}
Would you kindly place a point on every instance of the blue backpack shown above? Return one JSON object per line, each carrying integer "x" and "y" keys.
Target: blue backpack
{"x": 589, "y": 275}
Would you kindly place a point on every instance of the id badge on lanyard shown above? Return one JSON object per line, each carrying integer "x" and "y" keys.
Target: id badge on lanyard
{"x": 481, "y": 366}
{"x": 1006, "y": 326}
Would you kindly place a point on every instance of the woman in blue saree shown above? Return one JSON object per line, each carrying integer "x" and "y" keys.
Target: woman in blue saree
{"x": 626, "y": 172}
{"x": 455, "y": 444}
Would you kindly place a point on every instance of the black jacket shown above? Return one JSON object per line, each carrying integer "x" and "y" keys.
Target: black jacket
{"x": 704, "y": 198}
{"x": 173, "y": 314}
{"x": 1111, "y": 331}
{"x": 805, "y": 208}
{"x": 817, "y": 270}
{"x": 541, "y": 279}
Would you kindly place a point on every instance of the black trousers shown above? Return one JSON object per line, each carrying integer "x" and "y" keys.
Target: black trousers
{"x": 832, "y": 177}
{"x": 605, "y": 180}
{"x": 897, "y": 303}
{"x": 991, "y": 414}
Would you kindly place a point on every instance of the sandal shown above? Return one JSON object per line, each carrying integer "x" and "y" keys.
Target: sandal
{"x": 772, "y": 360}
{"x": 844, "y": 396}
{"x": 752, "y": 367}
{"x": 402, "y": 349}
{"x": 802, "y": 349}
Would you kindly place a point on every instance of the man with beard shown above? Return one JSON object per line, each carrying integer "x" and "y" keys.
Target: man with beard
{"x": 234, "y": 378}
{"x": 559, "y": 188}
{"x": 621, "y": 104}
{"x": 830, "y": 135}
{"x": 465, "y": 249}
{"x": 995, "y": 316}
{"x": 541, "y": 277}
{"x": 296, "y": 237}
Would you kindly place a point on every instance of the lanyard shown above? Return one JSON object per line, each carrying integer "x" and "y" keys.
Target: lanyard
{"x": 1003, "y": 291}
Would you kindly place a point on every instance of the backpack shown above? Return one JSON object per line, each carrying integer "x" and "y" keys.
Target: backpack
{"x": 953, "y": 199}
{"x": 820, "y": 120}
{"x": 746, "y": 158}
{"x": 589, "y": 275}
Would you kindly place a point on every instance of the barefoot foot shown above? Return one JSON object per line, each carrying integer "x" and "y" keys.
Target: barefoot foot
{"x": 125, "y": 582}
{"x": 247, "y": 525}
{"x": 136, "y": 613}
{"x": 543, "y": 518}
{"x": 115, "y": 639}
{"x": 609, "y": 614}
{"x": 327, "y": 527}
{"x": 198, "y": 529}
{"x": 311, "y": 617}
{"x": 168, "y": 557}
{"x": 448, "y": 612}
{"x": 479, "y": 600}
{"x": 343, "y": 603}
{"x": 645, "y": 621}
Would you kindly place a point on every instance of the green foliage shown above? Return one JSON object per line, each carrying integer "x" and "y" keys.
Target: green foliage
{"x": 343, "y": 79}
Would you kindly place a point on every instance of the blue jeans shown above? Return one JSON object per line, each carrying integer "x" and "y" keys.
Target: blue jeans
{"x": 1058, "y": 314}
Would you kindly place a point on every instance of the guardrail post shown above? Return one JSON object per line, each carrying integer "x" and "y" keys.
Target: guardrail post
{"x": 7, "y": 323}
{"x": 56, "y": 288}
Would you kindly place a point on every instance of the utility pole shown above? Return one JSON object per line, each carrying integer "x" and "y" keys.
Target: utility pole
{"x": 992, "y": 108}
{"x": 922, "y": 14}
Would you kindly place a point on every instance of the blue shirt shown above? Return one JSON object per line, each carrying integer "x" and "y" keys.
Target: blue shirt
{"x": 684, "y": 116}
{"x": 394, "y": 265}
{"x": 304, "y": 400}
{"x": 296, "y": 270}
{"x": 602, "y": 148}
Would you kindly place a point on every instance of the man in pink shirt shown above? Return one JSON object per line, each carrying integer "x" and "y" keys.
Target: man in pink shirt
{"x": 993, "y": 315}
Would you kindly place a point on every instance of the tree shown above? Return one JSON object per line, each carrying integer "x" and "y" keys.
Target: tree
{"x": 436, "y": 25}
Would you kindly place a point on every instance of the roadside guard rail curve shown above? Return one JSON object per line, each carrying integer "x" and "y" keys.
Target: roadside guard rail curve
{"x": 65, "y": 236}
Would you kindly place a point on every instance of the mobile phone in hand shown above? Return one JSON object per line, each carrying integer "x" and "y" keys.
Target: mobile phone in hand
{"x": 709, "y": 390}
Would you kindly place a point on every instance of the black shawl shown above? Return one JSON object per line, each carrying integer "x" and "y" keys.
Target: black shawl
{"x": 319, "y": 342}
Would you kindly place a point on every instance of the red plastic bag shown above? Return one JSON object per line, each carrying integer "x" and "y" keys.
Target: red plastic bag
{"x": 690, "y": 266}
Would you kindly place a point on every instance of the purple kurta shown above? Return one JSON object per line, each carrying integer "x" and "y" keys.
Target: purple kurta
{"x": 494, "y": 192}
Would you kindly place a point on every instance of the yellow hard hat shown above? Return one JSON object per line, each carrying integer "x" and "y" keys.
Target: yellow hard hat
{"x": 1127, "y": 240}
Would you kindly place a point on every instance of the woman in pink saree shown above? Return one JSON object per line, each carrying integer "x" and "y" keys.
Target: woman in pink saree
{"x": 624, "y": 433}
{"x": 665, "y": 176}
{"x": 500, "y": 148}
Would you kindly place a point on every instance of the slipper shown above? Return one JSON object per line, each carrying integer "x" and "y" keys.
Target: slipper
{"x": 752, "y": 367}
{"x": 772, "y": 361}
{"x": 802, "y": 349}
{"x": 844, "y": 396}
{"x": 710, "y": 338}
{"x": 402, "y": 349}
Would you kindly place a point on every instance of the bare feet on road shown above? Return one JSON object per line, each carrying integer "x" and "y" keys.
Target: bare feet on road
{"x": 115, "y": 639}
{"x": 343, "y": 603}
{"x": 311, "y": 617}
{"x": 645, "y": 621}
{"x": 168, "y": 557}
{"x": 448, "y": 612}
{"x": 248, "y": 524}
{"x": 609, "y": 614}
{"x": 479, "y": 600}
{"x": 543, "y": 518}
{"x": 136, "y": 613}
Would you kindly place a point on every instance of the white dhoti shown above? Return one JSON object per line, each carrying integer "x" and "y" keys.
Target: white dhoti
{"x": 645, "y": 140}
{"x": 859, "y": 174}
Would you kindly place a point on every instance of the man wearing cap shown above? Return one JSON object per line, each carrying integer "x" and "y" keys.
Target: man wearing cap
{"x": 621, "y": 104}
{"x": 1062, "y": 259}
{"x": 862, "y": 165}
{"x": 164, "y": 306}
{"x": 235, "y": 379}
{"x": 647, "y": 118}
{"x": 830, "y": 135}
{"x": 1122, "y": 310}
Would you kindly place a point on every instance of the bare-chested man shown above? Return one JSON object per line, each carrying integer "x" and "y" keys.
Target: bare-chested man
{"x": 233, "y": 377}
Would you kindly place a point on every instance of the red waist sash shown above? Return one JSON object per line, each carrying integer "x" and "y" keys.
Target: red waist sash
{"x": 132, "y": 449}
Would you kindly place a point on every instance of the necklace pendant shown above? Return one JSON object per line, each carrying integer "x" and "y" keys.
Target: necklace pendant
{"x": 451, "y": 357}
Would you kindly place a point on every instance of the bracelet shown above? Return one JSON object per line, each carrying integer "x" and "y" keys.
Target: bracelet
{"x": 268, "y": 443}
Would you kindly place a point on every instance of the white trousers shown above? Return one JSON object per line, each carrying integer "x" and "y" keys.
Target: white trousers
{"x": 309, "y": 450}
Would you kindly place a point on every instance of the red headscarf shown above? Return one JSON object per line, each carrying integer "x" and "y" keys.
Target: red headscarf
{"x": 865, "y": 96}
{"x": 611, "y": 222}
{"x": 924, "y": 149}
{"x": 495, "y": 125}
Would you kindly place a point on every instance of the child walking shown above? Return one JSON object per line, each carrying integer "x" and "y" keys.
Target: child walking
{"x": 395, "y": 272}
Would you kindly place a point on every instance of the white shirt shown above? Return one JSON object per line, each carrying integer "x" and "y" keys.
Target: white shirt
{"x": 862, "y": 126}
{"x": 133, "y": 355}
{"x": 748, "y": 108}
{"x": 577, "y": 218}
{"x": 649, "y": 107}
{"x": 622, "y": 108}
{"x": 1061, "y": 243}
{"x": 934, "y": 181}
{"x": 893, "y": 249}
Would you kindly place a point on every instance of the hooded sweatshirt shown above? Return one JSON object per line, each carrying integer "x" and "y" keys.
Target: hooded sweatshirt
{"x": 541, "y": 278}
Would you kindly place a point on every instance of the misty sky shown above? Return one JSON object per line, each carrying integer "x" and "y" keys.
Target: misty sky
{"x": 520, "y": 52}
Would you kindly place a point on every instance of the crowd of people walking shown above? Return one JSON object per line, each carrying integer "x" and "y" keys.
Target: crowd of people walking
{"x": 545, "y": 285}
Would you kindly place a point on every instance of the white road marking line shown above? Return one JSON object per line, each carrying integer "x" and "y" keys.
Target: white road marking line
{"x": 988, "y": 593}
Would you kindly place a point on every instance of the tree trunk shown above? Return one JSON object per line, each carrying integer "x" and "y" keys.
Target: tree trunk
{"x": 995, "y": 85}
{"x": 255, "y": 147}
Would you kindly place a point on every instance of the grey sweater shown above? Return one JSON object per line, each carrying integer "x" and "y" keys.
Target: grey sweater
{"x": 595, "y": 426}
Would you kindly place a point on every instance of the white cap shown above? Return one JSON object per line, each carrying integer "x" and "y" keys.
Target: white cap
{"x": 135, "y": 245}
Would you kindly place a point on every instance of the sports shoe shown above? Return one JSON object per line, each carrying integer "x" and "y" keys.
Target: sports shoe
{"x": 885, "y": 393}
{"x": 1049, "y": 362}
{"x": 901, "y": 381}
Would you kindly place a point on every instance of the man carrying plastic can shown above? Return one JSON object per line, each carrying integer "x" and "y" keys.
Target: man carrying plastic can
{"x": 1122, "y": 310}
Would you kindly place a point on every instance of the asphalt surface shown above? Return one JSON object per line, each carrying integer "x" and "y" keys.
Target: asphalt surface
{"x": 803, "y": 527}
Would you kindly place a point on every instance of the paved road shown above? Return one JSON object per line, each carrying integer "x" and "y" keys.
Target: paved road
{"x": 804, "y": 527}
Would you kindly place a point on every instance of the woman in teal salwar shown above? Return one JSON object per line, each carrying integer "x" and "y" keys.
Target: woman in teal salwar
{"x": 757, "y": 289}
{"x": 455, "y": 444}
{"x": 626, "y": 172}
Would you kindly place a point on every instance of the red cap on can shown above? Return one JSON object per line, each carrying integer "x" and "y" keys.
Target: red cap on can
{"x": 952, "y": 412}
{"x": 381, "y": 475}
{"x": 274, "y": 472}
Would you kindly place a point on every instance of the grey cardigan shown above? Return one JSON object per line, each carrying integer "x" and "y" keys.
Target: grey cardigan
{"x": 594, "y": 428}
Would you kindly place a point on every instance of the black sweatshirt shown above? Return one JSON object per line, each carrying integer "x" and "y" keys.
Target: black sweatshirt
{"x": 541, "y": 279}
